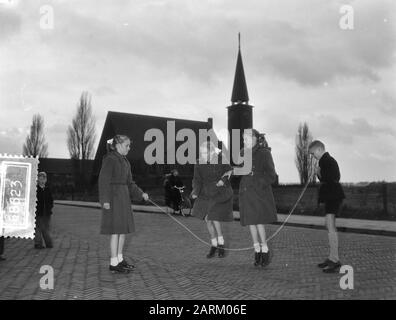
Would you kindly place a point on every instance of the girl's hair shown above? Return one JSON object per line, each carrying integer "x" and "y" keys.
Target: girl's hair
{"x": 256, "y": 134}
{"x": 117, "y": 139}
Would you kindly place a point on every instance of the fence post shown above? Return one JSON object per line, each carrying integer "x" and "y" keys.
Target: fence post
{"x": 385, "y": 197}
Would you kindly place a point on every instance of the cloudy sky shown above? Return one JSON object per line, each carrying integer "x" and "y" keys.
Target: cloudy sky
{"x": 177, "y": 58}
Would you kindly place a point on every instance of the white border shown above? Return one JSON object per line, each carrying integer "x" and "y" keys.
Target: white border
{"x": 27, "y": 165}
{"x": 2, "y": 169}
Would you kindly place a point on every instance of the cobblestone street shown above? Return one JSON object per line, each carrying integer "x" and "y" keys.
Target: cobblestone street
{"x": 171, "y": 264}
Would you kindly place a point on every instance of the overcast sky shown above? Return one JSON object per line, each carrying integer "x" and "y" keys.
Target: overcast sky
{"x": 177, "y": 59}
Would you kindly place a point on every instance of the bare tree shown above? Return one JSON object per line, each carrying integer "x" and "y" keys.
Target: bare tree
{"x": 35, "y": 144}
{"x": 81, "y": 134}
{"x": 304, "y": 163}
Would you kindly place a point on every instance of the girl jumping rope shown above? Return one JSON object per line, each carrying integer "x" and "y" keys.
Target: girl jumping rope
{"x": 213, "y": 194}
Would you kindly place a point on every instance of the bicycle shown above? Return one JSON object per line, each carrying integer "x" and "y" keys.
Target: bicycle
{"x": 185, "y": 205}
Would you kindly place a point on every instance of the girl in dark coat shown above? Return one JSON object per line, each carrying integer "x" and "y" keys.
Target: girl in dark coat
{"x": 115, "y": 186}
{"x": 213, "y": 194}
{"x": 256, "y": 200}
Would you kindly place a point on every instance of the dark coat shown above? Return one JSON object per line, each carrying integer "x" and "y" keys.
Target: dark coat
{"x": 256, "y": 200}
{"x": 172, "y": 195}
{"x": 45, "y": 203}
{"x": 330, "y": 188}
{"x": 213, "y": 202}
{"x": 1, "y": 246}
{"x": 117, "y": 187}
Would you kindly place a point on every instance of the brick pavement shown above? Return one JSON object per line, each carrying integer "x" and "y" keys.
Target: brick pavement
{"x": 171, "y": 264}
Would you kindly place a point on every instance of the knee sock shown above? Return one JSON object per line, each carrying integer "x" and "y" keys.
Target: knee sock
{"x": 264, "y": 247}
{"x": 220, "y": 241}
{"x": 256, "y": 247}
{"x": 120, "y": 257}
{"x": 113, "y": 261}
{"x": 214, "y": 242}
{"x": 333, "y": 242}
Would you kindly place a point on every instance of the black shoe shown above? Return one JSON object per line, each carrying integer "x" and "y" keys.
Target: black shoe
{"x": 2, "y": 258}
{"x": 39, "y": 246}
{"x": 221, "y": 251}
{"x": 324, "y": 264}
{"x": 265, "y": 258}
{"x": 126, "y": 265}
{"x": 257, "y": 258}
{"x": 332, "y": 267}
{"x": 212, "y": 252}
{"x": 118, "y": 269}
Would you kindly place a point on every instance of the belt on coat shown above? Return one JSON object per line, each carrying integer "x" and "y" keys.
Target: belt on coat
{"x": 116, "y": 182}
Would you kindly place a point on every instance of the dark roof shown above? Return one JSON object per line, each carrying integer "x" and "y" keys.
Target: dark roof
{"x": 135, "y": 126}
{"x": 239, "y": 90}
{"x": 61, "y": 166}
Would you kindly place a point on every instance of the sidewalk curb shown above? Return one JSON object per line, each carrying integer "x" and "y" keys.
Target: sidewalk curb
{"x": 152, "y": 209}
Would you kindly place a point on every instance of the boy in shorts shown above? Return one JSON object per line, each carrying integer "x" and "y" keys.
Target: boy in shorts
{"x": 330, "y": 199}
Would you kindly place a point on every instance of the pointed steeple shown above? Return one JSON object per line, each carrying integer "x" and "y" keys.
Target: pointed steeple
{"x": 239, "y": 91}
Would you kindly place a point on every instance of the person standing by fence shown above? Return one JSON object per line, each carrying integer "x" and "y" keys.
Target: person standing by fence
{"x": 45, "y": 203}
{"x": 2, "y": 249}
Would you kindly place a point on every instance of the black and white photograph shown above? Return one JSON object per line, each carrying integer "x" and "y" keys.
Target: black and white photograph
{"x": 196, "y": 155}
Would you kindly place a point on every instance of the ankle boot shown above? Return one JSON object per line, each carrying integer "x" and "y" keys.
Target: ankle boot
{"x": 221, "y": 251}
{"x": 212, "y": 252}
{"x": 257, "y": 258}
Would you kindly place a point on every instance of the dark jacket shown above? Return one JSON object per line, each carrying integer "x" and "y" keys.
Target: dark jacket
{"x": 205, "y": 179}
{"x": 172, "y": 195}
{"x": 330, "y": 187}
{"x": 213, "y": 201}
{"x": 45, "y": 202}
{"x": 175, "y": 181}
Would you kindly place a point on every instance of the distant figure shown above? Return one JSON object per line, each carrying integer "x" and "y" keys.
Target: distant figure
{"x": 116, "y": 188}
{"x": 214, "y": 196}
{"x": 256, "y": 200}
{"x": 44, "y": 207}
{"x": 330, "y": 200}
{"x": 167, "y": 190}
{"x": 2, "y": 249}
{"x": 172, "y": 194}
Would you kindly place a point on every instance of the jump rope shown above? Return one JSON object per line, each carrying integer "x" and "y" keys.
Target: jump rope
{"x": 236, "y": 249}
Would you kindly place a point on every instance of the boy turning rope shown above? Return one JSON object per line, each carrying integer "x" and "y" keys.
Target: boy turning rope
{"x": 330, "y": 199}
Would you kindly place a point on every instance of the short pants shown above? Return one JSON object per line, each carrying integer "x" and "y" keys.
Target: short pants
{"x": 330, "y": 207}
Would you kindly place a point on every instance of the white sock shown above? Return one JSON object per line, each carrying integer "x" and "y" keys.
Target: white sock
{"x": 220, "y": 241}
{"x": 333, "y": 242}
{"x": 113, "y": 261}
{"x": 264, "y": 247}
{"x": 256, "y": 247}
{"x": 214, "y": 242}
{"x": 120, "y": 257}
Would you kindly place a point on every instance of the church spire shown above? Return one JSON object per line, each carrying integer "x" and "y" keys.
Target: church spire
{"x": 239, "y": 91}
